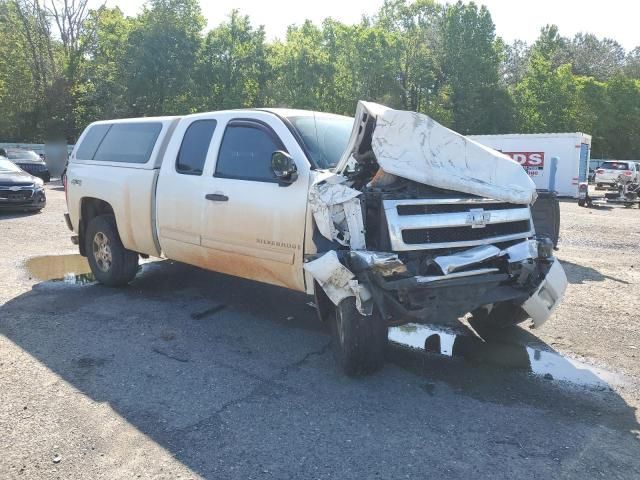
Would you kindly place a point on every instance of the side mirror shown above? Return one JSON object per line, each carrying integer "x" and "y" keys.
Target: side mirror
{"x": 284, "y": 168}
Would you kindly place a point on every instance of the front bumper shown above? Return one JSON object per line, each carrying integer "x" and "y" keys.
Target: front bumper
{"x": 535, "y": 284}
{"x": 37, "y": 201}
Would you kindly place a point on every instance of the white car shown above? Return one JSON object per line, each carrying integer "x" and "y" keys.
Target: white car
{"x": 607, "y": 174}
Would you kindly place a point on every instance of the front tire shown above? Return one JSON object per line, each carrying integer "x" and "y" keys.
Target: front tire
{"x": 111, "y": 263}
{"x": 358, "y": 341}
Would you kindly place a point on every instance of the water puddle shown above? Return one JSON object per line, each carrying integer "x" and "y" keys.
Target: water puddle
{"x": 503, "y": 353}
{"x": 72, "y": 269}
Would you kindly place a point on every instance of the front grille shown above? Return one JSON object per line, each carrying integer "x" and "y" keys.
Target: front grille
{"x": 32, "y": 167}
{"x": 444, "y": 223}
{"x": 19, "y": 196}
{"x": 464, "y": 234}
{"x": 428, "y": 209}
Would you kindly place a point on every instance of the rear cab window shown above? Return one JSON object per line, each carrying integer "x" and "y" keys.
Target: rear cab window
{"x": 195, "y": 145}
{"x": 120, "y": 142}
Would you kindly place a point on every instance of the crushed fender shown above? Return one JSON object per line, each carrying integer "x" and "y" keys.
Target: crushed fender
{"x": 339, "y": 282}
{"x": 337, "y": 212}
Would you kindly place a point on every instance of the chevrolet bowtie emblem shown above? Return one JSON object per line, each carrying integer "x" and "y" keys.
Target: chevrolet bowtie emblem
{"x": 14, "y": 189}
{"x": 478, "y": 218}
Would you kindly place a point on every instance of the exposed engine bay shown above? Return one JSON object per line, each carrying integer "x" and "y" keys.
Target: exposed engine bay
{"x": 413, "y": 245}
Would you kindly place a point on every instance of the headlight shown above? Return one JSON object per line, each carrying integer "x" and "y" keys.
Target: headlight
{"x": 38, "y": 183}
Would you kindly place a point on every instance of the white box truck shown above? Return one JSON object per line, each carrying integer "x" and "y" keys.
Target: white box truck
{"x": 535, "y": 151}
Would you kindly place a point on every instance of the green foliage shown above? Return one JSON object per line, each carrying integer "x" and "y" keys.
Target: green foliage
{"x": 232, "y": 69}
{"x": 161, "y": 53}
{"x": 442, "y": 60}
{"x": 471, "y": 59}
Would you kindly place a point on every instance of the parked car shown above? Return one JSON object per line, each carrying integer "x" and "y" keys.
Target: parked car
{"x": 607, "y": 174}
{"x": 20, "y": 190}
{"x": 29, "y": 161}
{"x": 355, "y": 212}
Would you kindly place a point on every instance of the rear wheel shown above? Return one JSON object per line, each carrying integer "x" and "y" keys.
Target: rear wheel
{"x": 502, "y": 315}
{"x": 358, "y": 341}
{"x": 110, "y": 262}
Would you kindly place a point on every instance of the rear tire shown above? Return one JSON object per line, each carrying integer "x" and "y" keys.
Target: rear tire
{"x": 502, "y": 315}
{"x": 358, "y": 341}
{"x": 111, "y": 263}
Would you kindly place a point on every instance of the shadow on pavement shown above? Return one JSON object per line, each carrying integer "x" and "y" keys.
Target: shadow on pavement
{"x": 579, "y": 274}
{"x": 11, "y": 214}
{"x": 235, "y": 378}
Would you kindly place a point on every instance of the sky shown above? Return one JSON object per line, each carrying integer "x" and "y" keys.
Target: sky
{"x": 514, "y": 19}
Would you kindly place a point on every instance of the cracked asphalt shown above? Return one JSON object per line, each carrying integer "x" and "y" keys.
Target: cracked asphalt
{"x": 192, "y": 374}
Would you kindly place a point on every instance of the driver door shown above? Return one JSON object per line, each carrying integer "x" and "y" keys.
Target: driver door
{"x": 253, "y": 227}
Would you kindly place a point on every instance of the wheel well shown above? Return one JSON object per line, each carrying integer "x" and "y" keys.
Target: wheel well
{"x": 324, "y": 306}
{"x": 90, "y": 208}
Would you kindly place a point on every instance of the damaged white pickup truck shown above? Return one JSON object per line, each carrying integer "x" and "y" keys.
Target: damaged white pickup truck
{"x": 386, "y": 219}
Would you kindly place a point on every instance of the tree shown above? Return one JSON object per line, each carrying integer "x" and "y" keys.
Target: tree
{"x": 632, "y": 64}
{"x": 233, "y": 68}
{"x": 591, "y": 57}
{"x": 516, "y": 60}
{"x": 416, "y": 28}
{"x": 622, "y": 127}
{"x": 102, "y": 89}
{"x": 471, "y": 59}
{"x": 302, "y": 72}
{"x": 161, "y": 56}
{"x": 546, "y": 97}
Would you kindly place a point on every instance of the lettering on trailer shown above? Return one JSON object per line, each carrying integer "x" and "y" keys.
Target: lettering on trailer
{"x": 532, "y": 162}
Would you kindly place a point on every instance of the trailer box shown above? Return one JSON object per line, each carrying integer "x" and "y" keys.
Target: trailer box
{"x": 535, "y": 151}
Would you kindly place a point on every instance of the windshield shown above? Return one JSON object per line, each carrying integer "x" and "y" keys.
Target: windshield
{"x": 22, "y": 155}
{"x": 324, "y": 136}
{"x": 615, "y": 166}
{"x": 7, "y": 166}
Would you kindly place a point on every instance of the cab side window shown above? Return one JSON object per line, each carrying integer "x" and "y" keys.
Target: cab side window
{"x": 194, "y": 148}
{"x": 245, "y": 152}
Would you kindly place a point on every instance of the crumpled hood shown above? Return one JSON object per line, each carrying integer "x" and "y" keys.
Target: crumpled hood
{"x": 414, "y": 146}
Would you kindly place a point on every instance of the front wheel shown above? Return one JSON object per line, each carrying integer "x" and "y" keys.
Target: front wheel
{"x": 111, "y": 263}
{"x": 359, "y": 341}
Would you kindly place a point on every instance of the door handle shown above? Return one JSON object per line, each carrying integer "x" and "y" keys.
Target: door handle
{"x": 216, "y": 197}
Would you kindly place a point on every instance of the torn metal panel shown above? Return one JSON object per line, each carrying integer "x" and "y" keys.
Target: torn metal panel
{"x": 473, "y": 256}
{"x": 414, "y": 146}
{"x": 521, "y": 251}
{"x": 339, "y": 282}
{"x": 386, "y": 264}
{"x": 337, "y": 212}
{"x": 547, "y": 296}
{"x": 355, "y": 223}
